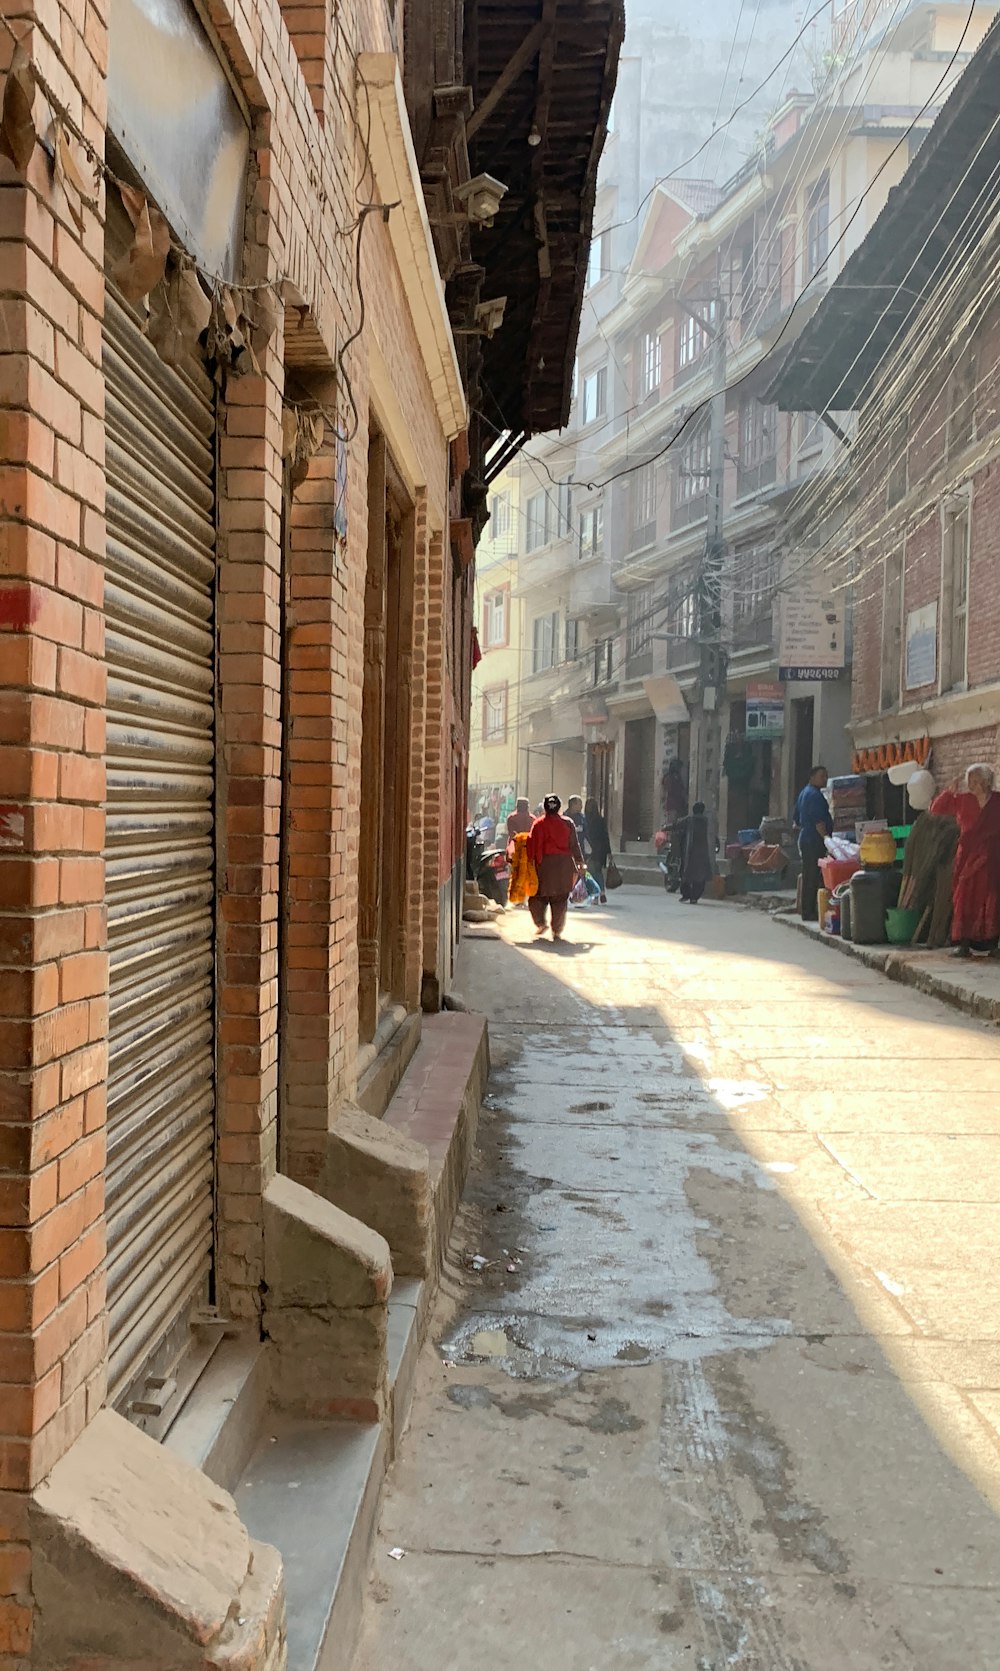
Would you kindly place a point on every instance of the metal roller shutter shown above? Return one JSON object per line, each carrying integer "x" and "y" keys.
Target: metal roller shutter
{"x": 160, "y": 849}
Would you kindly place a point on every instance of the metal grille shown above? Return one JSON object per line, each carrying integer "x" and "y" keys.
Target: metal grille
{"x": 159, "y": 602}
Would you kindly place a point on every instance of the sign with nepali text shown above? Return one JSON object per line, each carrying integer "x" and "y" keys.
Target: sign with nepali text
{"x": 811, "y": 631}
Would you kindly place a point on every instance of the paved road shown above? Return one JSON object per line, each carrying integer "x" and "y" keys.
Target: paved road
{"x": 737, "y": 1403}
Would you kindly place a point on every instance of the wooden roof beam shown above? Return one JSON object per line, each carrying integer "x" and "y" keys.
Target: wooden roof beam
{"x": 511, "y": 73}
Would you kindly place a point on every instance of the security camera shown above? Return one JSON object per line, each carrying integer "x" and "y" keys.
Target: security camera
{"x": 489, "y": 315}
{"x": 481, "y": 196}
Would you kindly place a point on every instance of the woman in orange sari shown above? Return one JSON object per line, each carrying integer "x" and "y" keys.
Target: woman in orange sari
{"x": 975, "y": 923}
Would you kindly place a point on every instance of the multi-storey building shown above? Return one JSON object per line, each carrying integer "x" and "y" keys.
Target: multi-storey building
{"x": 713, "y": 291}
{"x": 494, "y": 724}
{"x": 670, "y": 99}
{"x": 908, "y": 341}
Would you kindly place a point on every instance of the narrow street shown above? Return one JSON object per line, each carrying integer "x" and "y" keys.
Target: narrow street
{"x": 727, "y": 1391}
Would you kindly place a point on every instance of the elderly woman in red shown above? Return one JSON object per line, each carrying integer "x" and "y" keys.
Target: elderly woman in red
{"x": 555, "y": 852}
{"x": 975, "y": 923}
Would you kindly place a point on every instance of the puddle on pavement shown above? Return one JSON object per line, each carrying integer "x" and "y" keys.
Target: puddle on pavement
{"x": 490, "y": 1343}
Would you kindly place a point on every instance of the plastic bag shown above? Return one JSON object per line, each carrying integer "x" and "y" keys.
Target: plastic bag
{"x": 579, "y": 895}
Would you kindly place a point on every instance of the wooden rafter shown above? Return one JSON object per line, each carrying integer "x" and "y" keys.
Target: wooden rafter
{"x": 511, "y": 73}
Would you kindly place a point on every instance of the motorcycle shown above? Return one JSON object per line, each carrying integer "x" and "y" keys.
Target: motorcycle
{"x": 671, "y": 863}
{"x": 488, "y": 867}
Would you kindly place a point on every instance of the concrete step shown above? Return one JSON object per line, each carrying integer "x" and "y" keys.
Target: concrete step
{"x": 640, "y": 870}
{"x": 312, "y": 1489}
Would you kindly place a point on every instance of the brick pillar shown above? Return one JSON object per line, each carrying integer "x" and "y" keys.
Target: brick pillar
{"x": 53, "y": 967}
{"x": 249, "y": 771}
{"x": 320, "y": 1023}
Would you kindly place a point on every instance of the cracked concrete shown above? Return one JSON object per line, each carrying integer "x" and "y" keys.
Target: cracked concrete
{"x": 714, "y": 1380}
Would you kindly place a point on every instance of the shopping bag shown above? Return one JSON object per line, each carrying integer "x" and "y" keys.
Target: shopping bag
{"x": 612, "y": 876}
{"x": 579, "y": 893}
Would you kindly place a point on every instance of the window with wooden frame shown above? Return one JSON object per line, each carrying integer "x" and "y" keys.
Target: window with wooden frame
{"x": 499, "y": 515}
{"x": 599, "y": 259}
{"x": 954, "y": 615}
{"x": 644, "y": 504}
{"x": 892, "y": 627}
{"x": 752, "y": 586}
{"x": 496, "y": 619}
{"x": 695, "y": 331}
{"x": 962, "y": 401}
{"x": 817, "y": 225}
{"x": 650, "y": 355}
{"x": 595, "y": 395}
{"x": 592, "y": 531}
{"x": 639, "y": 623}
{"x": 495, "y": 715}
{"x": 898, "y": 464}
{"x": 572, "y": 640}
{"x": 545, "y": 642}
{"x": 691, "y": 476}
{"x": 758, "y": 460}
{"x": 536, "y": 522}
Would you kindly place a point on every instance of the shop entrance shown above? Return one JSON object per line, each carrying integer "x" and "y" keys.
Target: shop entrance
{"x": 383, "y": 866}
{"x": 159, "y": 604}
{"x": 639, "y": 780}
{"x": 803, "y": 711}
{"x": 600, "y": 763}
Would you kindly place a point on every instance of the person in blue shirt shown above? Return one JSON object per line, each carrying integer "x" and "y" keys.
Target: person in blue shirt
{"x": 814, "y": 822}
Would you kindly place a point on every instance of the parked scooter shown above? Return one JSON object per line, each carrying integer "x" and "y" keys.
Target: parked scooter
{"x": 488, "y": 867}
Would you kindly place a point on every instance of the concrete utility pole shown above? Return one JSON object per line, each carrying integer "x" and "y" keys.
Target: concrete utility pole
{"x": 713, "y": 653}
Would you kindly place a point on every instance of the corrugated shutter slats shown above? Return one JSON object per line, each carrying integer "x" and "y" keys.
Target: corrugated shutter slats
{"x": 159, "y": 606}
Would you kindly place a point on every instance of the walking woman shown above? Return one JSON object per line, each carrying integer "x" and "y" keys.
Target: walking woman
{"x": 595, "y": 827}
{"x": 554, "y": 849}
{"x": 975, "y": 922}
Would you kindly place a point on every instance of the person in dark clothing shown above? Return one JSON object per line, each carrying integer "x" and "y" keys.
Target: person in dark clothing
{"x": 814, "y": 822}
{"x": 574, "y": 810}
{"x": 696, "y": 862}
{"x": 675, "y": 800}
{"x": 555, "y": 853}
{"x": 598, "y": 843}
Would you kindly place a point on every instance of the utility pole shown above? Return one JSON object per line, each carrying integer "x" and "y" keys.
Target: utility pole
{"x": 713, "y": 653}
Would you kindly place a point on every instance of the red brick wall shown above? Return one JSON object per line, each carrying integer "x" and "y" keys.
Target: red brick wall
{"x": 53, "y": 967}
{"x": 53, "y": 970}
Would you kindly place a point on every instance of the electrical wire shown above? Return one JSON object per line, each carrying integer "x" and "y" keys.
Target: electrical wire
{"x": 737, "y": 382}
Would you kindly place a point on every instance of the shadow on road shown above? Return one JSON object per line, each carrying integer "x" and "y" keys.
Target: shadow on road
{"x": 725, "y": 1356}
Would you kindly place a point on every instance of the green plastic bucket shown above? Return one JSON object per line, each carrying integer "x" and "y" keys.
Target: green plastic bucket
{"x": 900, "y": 925}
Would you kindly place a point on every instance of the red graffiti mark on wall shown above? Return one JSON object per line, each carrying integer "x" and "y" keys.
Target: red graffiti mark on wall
{"x": 19, "y": 607}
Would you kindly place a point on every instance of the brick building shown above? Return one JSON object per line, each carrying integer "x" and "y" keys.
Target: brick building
{"x": 252, "y": 259}
{"x": 908, "y": 341}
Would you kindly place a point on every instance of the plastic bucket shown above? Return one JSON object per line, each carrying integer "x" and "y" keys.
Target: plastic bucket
{"x": 900, "y": 925}
{"x": 838, "y": 870}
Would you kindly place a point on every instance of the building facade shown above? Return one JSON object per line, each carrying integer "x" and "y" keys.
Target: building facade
{"x": 253, "y": 275}
{"x": 495, "y": 764}
{"x": 908, "y": 342}
{"x": 719, "y": 283}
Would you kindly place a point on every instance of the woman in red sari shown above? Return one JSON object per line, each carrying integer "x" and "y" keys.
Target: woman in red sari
{"x": 554, "y": 848}
{"x": 975, "y": 923}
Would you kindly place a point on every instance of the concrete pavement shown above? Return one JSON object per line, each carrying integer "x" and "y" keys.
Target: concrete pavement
{"x": 726, "y": 1391}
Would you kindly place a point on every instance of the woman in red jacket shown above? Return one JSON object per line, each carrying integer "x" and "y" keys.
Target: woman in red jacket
{"x": 975, "y": 922}
{"x": 555, "y": 852}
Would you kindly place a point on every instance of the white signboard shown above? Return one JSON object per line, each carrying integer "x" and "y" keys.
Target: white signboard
{"x": 811, "y": 634}
{"x": 921, "y": 647}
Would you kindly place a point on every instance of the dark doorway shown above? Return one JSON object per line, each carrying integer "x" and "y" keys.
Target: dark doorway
{"x": 639, "y": 780}
{"x": 803, "y": 708}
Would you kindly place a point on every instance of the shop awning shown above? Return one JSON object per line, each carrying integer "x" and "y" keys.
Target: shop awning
{"x": 666, "y": 699}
